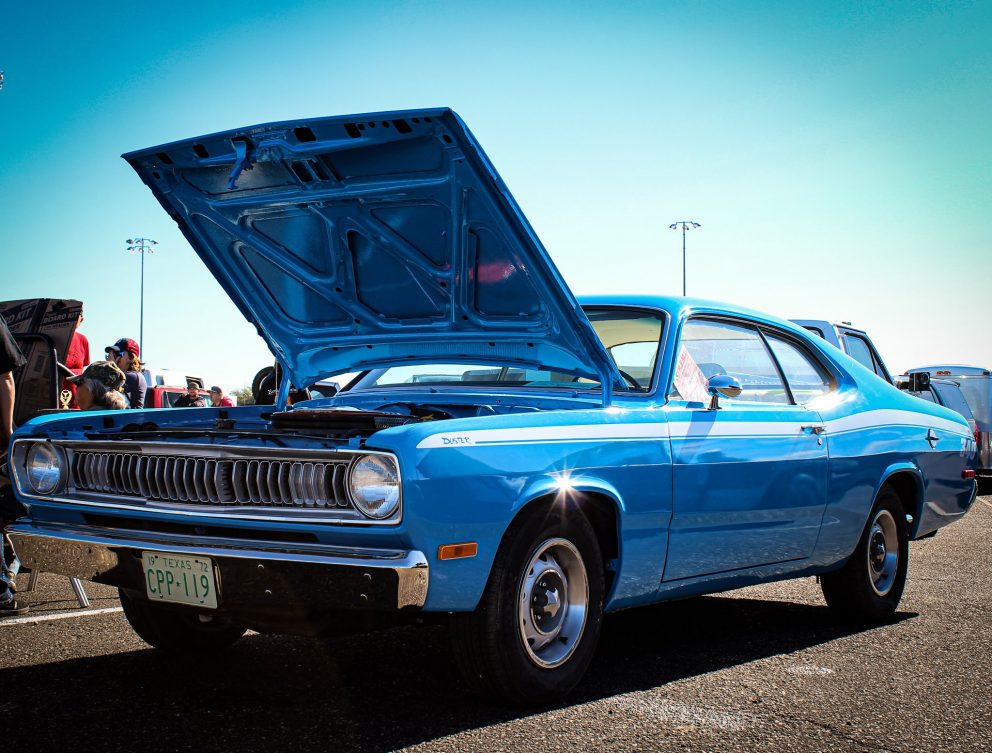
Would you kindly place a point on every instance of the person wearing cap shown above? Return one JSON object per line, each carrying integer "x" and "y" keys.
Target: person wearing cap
{"x": 192, "y": 398}
{"x": 218, "y": 399}
{"x": 99, "y": 387}
{"x": 124, "y": 353}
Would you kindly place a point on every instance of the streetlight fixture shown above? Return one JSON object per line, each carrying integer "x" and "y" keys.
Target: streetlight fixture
{"x": 685, "y": 225}
{"x": 142, "y": 246}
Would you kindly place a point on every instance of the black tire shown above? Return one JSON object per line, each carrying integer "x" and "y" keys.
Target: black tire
{"x": 868, "y": 588}
{"x": 178, "y": 631}
{"x": 262, "y": 384}
{"x": 489, "y": 644}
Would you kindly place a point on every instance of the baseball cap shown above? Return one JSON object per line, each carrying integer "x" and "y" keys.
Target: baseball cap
{"x": 216, "y": 389}
{"x": 124, "y": 345}
{"x": 104, "y": 372}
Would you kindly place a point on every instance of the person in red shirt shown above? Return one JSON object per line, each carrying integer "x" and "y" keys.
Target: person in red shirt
{"x": 77, "y": 358}
{"x": 218, "y": 399}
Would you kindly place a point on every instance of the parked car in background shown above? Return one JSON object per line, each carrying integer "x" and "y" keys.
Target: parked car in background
{"x": 510, "y": 463}
{"x": 170, "y": 378}
{"x": 165, "y": 397}
{"x": 944, "y": 392}
{"x": 975, "y": 383}
{"x": 855, "y": 342}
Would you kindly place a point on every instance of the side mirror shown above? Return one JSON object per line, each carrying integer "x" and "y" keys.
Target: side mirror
{"x": 919, "y": 381}
{"x": 722, "y": 384}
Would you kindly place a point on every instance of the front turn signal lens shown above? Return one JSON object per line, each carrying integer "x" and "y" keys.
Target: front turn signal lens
{"x": 457, "y": 551}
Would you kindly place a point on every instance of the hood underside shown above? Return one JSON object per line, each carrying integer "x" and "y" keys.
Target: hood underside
{"x": 372, "y": 240}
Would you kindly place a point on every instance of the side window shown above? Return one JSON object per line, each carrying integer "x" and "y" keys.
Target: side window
{"x": 928, "y": 396}
{"x": 710, "y": 348}
{"x": 805, "y": 377}
{"x": 858, "y": 349}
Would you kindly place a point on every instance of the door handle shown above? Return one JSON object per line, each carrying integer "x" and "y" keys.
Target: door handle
{"x": 813, "y": 429}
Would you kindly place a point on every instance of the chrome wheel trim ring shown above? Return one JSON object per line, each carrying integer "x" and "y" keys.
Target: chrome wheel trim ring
{"x": 553, "y": 603}
{"x": 883, "y": 553}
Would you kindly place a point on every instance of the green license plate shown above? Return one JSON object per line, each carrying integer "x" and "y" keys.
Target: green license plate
{"x": 180, "y": 579}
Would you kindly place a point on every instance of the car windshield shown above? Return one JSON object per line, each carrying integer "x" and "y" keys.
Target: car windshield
{"x": 631, "y": 337}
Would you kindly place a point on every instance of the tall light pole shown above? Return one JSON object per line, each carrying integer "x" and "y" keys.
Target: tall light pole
{"x": 685, "y": 225}
{"x": 142, "y": 246}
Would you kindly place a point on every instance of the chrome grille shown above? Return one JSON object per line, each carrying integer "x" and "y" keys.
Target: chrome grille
{"x": 264, "y": 482}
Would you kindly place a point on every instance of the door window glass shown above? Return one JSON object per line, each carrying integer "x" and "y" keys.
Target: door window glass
{"x": 805, "y": 377}
{"x": 711, "y": 348}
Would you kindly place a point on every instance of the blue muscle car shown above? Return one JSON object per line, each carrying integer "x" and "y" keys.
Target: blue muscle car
{"x": 508, "y": 460}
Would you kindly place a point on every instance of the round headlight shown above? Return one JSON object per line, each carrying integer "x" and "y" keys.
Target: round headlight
{"x": 374, "y": 484}
{"x": 44, "y": 467}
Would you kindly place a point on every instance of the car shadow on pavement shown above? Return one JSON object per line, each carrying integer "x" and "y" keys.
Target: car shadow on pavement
{"x": 377, "y": 692}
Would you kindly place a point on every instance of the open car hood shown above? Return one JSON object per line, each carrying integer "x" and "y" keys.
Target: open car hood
{"x": 373, "y": 240}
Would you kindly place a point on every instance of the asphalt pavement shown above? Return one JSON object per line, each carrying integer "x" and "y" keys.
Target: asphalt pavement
{"x": 759, "y": 669}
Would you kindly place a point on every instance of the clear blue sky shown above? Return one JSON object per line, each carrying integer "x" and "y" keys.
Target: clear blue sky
{"x": 838, "y": 155}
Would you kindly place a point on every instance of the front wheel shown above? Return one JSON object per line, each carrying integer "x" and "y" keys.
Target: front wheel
{"x": 870, "y": 585}
{"x": 535, "y": 630}
{"x": 178, "y": 631}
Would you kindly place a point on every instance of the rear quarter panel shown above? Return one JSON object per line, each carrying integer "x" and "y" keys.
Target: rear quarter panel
{"x": 874, "y": 431}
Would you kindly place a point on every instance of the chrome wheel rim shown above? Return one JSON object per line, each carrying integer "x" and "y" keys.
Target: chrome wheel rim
{"x": 883, "y": 552}
{"x": 553, "y": 602}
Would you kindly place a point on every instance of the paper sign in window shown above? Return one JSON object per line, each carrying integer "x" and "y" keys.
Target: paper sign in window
{"x": 689, "y": 379}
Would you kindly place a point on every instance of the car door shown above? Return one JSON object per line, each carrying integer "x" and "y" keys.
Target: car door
{"x": 749, "y": 485}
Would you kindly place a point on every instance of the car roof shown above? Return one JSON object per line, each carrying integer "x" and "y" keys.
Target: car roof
{"x": 681, "y": 306}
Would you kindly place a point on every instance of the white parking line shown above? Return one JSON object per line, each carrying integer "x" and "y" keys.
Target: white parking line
{"x": 60, "y": 616}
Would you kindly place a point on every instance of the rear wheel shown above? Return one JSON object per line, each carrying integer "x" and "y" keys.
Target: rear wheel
{"x": 178, "y": 631}
{"x": 870, "y": 585}
{"x": 535, "y": 630}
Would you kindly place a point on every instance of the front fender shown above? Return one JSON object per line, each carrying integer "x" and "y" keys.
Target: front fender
{"x": 471, "y": 491}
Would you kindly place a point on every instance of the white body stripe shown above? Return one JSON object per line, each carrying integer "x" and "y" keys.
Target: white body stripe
{"x": 876, "y": 419}
{"x": 538, "y": 434}
{"x": 688, "y": 429}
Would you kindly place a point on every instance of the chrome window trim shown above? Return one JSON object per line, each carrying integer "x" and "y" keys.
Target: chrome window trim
{"x": 764, "y": 329}
{"x": 210, "y": 452}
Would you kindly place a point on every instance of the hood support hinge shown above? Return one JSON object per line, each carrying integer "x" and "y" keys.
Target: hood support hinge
{"x": 241, "y": 162}
{"x": 282, "y": 398}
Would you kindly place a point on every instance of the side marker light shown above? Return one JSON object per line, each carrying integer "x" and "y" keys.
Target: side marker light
{"x": 968, "y": 473}
{"x": 457, "y": 551}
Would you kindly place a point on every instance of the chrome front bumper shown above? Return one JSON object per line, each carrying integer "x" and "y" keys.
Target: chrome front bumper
{"x": 255, "y": 577}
